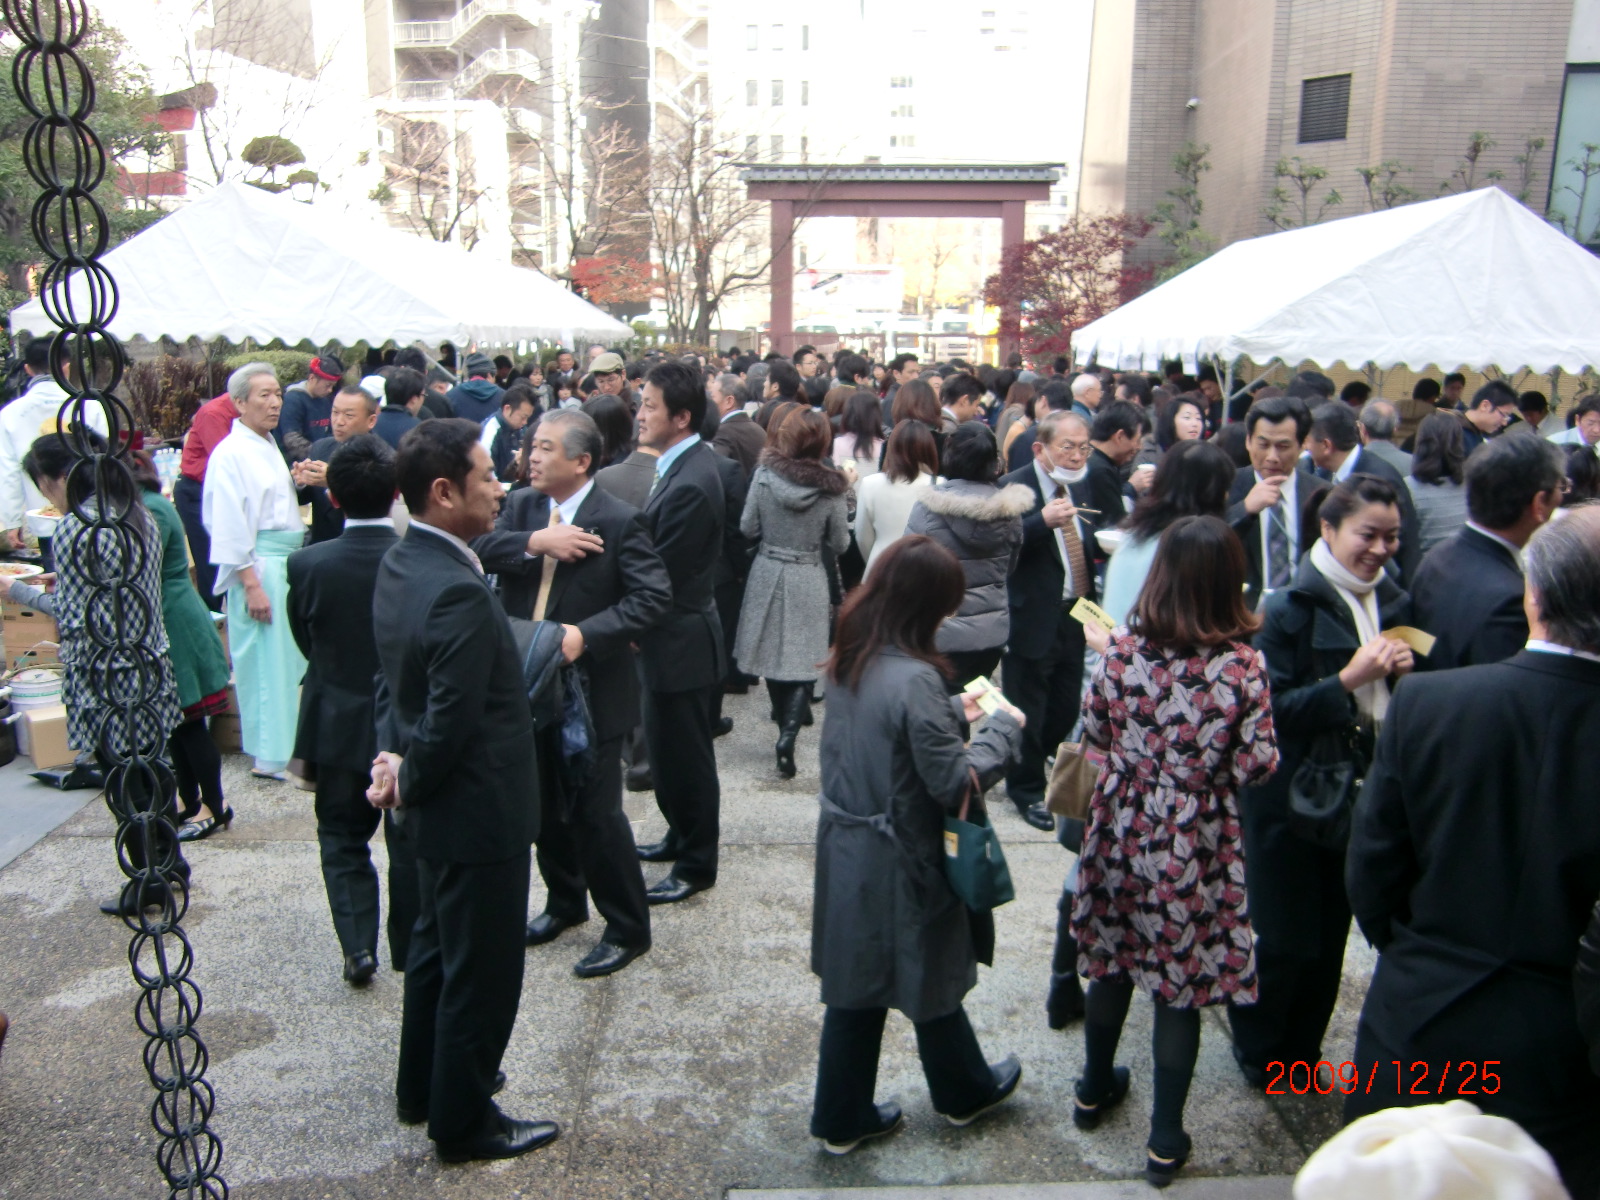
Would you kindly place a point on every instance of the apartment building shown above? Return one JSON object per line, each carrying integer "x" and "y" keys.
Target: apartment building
{"x": 1338, "y": 84}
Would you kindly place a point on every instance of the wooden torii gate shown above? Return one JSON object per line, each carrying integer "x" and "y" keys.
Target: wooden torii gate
{"x": 887, "y": 190}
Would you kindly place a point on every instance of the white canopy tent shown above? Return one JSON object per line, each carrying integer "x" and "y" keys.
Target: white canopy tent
{"x": 1472, "y": 280}
{"x": 243, "y": 263}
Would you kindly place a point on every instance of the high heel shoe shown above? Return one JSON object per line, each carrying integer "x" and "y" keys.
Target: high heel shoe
{"x": 794, "y": 707}
{"x": 196, "y": 831}
{"x": 1160, "y": 1170}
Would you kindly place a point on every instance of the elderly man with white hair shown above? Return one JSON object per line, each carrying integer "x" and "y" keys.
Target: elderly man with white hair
{"x": 251, "y": 511}
{"x": 1086, "y": 392}
{"x": 1473, "y": 865}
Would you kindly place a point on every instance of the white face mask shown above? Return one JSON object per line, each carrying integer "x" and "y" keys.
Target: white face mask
{"x": 1064, "y": 475}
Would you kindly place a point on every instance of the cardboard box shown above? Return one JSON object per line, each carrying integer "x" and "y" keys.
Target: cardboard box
{"x": 225, "y": 734}
{"x": 47, "y": 737}
{"x": 24, "y": 628}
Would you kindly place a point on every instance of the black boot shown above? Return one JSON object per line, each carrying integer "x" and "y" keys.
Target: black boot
{"x": 795, "y": 705}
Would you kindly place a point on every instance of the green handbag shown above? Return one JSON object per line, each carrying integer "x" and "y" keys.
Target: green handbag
{"x": 973, "y": 861}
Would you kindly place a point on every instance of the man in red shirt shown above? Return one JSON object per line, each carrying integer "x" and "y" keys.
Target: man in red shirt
{"x": 212, "y": 422}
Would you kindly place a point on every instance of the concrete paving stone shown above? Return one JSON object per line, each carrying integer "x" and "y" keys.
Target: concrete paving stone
{"x": 1266, "y": 1188}
{"x": 685, "y": 1075}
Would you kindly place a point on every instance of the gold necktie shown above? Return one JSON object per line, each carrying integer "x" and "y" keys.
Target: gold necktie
{"x": 1077, "y": 560}
{"x": 547, "y": 570}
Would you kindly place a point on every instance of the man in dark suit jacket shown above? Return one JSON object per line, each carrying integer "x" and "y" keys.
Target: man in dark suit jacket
{"x": 1473, "y": 865}
{"x": 1043, "y": 665}
{"x": 1115, "y": 440}
{"x": 354, "y": 413}
{"x": 737, "y": 436}
{"x": 683, "y": 656}
{"x": 1468, "y": 590}
{"x": 1273, "y": 485}
{"x": 598, "y": 575}
{"x": 1337, "y": 451}
{"x": 330, "y": 613}
{"x": 631, "y": 479}
{"x": 456, "y": 756}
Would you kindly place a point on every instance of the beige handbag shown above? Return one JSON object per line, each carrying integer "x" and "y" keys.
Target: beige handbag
{"x": 1073, "y": 780}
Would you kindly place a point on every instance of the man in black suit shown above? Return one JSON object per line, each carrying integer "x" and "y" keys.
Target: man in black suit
{"x": 683, "y": 656}
{"x": 1043, "y": 665}
{"x": 1468, "y": 590}
{"x": 1273, "y": 505}
{"x": 737, "y": 436}
{"x": 1115, "y": 439}
{"x": 566, "y": 551}
{"x": 1473, "y": 865}
{"x": 456, "y": 756}
{"x": 1336, "y": 449}
{"x": 330, "y": 613}
{"x": 354, "y": 413}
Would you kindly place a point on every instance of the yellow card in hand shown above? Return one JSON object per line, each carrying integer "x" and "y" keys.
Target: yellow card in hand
{"x": 1086, "y": 610}
{"x": 1421, "y": 642}
{"x": 988, "y": 694}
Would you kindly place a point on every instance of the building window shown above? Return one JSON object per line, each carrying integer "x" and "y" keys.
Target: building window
{"x": 805, "y": 148}
{"x": 905, "y": 110}
{"x": 1574, "y": 201}
{"x": 750, "y": 92}
{"x": 1324, "y": 109}
{"x": 777, "y": 93}
{"x": 777, "y": 147}
{"x": 805, "y": 92}
{"x": 752, "y": 148}
{"x": 805, "y": 259}
{"x": 902, "y": 141}
{"x": 752, "y": 37}
{"x": 805, "y": 37}
{"x": 777, "y": 37}
{"x": 899, "y": 81}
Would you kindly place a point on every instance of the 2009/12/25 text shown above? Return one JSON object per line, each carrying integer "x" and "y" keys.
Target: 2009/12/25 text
{"x": 1414, "y": 1079}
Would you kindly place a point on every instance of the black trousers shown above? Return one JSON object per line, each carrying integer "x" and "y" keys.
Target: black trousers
{"x": 969, "y": 664}
{"x": 463, "y": 984}
{"x": 1302, "y": 921}
{"x": 677, "y": 726}
{"x": 1524, "y": 1023}
{"x": 959, "y": 1079}
{"x": 346, "y": 822}
{"x": 186, "y": 494}
{"x": 1048, "y": 691}
{"x": 729, "y": 597}
{"x": 586, "y": 845}
{"x": 198, "y": 765}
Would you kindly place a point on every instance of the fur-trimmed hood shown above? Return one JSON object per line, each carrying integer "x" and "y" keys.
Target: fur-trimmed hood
{"x": 979, "y": 501}
{"x": 801, "y": 482}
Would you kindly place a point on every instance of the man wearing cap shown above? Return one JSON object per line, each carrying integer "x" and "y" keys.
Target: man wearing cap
{"x": 610, "y": 376}
{"x": 477, "y": 398}
{"x": 308, "y": 406}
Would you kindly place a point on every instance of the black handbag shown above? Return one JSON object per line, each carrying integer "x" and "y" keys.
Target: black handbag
{"x": 1324, "y": 788}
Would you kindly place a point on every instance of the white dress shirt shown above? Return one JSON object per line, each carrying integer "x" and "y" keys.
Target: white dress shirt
{"x": 1049, "y": 486}
{"x": 1543, "y": 647}
{"x": 248, "y": 490}
{"x": 465, "y": 549}
{"x": 1289, "y": 497}
{"x": 1516, "y": 550}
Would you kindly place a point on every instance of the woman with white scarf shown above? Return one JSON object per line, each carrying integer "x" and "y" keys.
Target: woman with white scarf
{"x": 1331, "y": 669}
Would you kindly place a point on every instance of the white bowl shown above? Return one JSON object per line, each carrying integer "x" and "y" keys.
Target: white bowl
{"x": 41, "y": 523}
{"x": 1110, "y": 539}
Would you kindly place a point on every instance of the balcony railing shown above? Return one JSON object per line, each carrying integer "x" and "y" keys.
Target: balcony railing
{"x": 431, "y": 35}
{"x": 497, "y": 62}
{"x": 423, "y": 89}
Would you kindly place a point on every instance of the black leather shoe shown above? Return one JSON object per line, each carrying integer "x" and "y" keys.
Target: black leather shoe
{"x": 198, "y": 831}
{"x": 641, "y": 781}
{"x": 785, "y": 753}
{"x": 663, "y": 851}
{"x": 1035, "y": 814}
{"x": 736, "y": 687}
{"x": 890, "y": 1118}
{"x": 606, "y": 959}
{"x": 1087, "y": 1114}
{"x": 360, "y": 967}
{"x": 1007, "y": 1075}
{"x": 1161, "y": 1169}
{"x": 723, "y": 727}
{"x": 416, "y": 1116}
{"x": 1064, "y": 1004}
{"x": 513, "y": 1138}
{"x": 545, "y": 928}
{"x": 1255, "y": 1076}
{"x": 672, "y": 889}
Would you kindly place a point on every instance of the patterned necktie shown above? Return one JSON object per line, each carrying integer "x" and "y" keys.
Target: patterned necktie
{"x": 547, "y": 572}
{"x": 1280, "y": 558}
{"x": 1077, "y": 560}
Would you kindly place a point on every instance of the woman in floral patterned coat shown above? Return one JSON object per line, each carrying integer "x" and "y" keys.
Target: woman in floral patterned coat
{"x": 1180, "y": 704}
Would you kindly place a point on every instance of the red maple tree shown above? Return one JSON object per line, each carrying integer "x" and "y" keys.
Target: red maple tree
{"x": 1061, "y": 281}
{"x": 612, "y": 280}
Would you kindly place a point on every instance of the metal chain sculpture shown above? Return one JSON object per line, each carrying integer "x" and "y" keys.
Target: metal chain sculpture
{"x": 68, "y": 162}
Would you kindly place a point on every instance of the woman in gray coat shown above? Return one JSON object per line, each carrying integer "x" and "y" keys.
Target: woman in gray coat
{"x": 887, "y": 931}
{"x": 796, "y": 509}
{"x": 980, "y": 524}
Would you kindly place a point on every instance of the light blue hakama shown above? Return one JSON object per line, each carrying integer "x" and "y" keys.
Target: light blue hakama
{"x": 267, "y": 665}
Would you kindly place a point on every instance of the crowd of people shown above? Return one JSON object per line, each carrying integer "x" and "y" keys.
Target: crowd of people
{"x": 1338, "y": 677}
